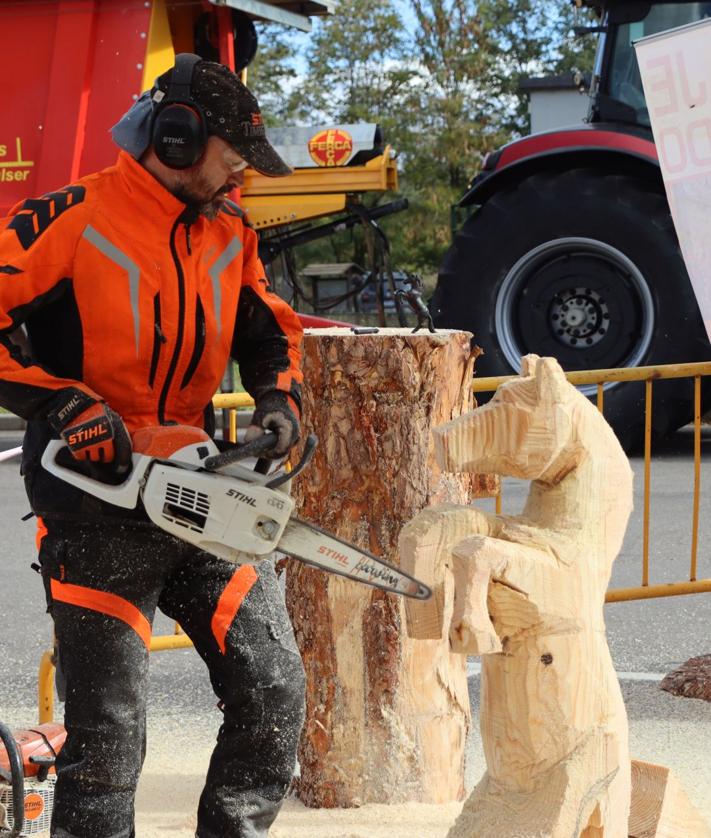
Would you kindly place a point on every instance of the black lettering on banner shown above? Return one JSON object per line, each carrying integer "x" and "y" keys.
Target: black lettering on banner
{"x": 36, "y": 214}
{"x": 9, "y": 269}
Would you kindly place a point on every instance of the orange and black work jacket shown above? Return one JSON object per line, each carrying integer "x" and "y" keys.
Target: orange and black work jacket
{"x": 127, "y": 295}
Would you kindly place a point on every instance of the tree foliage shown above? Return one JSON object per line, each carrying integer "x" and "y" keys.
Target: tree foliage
{"x": 357, "y": 67}
{"x": 273, "y": 72}
{"x": 442, "y": 79}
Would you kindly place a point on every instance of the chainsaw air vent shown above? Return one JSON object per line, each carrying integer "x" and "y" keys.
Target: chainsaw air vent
{"x": 186, "y": 507}
{"x": 39, "y": 799}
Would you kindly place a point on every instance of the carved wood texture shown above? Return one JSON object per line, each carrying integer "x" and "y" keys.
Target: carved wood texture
{"x": 528, "y": 597}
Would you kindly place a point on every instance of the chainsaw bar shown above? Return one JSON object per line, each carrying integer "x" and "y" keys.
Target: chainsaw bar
{"x": 314, "y": 546}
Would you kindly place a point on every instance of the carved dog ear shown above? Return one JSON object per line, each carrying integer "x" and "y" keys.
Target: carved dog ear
{"x": 550, "y": 380}
{"x": 528, "y": 365}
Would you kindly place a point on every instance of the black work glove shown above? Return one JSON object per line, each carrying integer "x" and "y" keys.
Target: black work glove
{"x": 276, "y": 411}
{"x": 94, "y": 433}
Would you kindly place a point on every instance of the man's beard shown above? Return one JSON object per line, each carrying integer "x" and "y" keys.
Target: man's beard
{"x": 194, "y": 197}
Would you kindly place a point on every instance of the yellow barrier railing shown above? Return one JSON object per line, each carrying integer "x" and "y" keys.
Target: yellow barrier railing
{"x": 161, "y": 642}
{"x": 233, "y": 401}
{"x": 648, "y": 375}
{"x": 45, "y": 681}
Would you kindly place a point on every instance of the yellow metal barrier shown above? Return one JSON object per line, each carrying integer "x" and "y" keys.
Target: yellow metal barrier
{"x": 648, "y": 375}
{"x": 234, "y": 401}
{"x": 45, "y": 688}
{"x": 161, "y": 642}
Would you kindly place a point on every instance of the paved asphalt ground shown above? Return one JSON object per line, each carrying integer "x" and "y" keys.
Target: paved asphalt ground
{"x": 647, "y": 638}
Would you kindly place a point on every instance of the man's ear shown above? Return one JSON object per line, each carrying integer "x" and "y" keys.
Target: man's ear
{"x": 551, "y": 382}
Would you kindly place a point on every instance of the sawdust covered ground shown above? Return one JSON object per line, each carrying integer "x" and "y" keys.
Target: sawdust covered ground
{"x": 663, "y": 729}
{"x": 173, "y": 775}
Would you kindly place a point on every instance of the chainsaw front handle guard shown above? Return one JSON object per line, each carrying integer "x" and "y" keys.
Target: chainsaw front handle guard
{"x": 256, "y": 448}
{"x": 17, "y": 780}
{"x": 306, "y": 457}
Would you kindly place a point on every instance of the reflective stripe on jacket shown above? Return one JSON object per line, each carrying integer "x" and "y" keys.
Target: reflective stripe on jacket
{"x": 153, "y": 313}
{"x": 126, "y": 295}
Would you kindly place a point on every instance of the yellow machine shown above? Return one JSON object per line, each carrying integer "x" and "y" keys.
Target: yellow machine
{"x": 316, "y": 191}
{"x": 330, "y": 162}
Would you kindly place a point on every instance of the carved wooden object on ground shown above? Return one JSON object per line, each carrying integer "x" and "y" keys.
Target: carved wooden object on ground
{"x": 660, "y": 807}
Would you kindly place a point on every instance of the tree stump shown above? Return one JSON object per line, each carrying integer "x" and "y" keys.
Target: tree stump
{"x": 387, "y": 717}
{"x": 690, "y": 680}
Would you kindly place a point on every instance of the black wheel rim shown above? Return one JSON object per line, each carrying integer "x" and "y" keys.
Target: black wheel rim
{"x": 580, "y": 300}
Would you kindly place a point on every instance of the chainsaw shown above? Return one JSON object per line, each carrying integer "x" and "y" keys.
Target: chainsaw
{"x": 27, "y": 778}
{"x": 209, "y": 498}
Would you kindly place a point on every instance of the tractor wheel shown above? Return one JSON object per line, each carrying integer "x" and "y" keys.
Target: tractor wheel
{"x": 585, "y": 267}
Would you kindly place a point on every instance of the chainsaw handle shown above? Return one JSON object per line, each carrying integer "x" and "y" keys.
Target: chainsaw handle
{"x": 256, "y": 447}
{"x": 17, "y": 781}
{"x": 124, "y": 494}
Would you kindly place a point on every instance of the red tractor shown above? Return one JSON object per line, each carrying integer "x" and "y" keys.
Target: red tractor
{"x": 571, "y": 250}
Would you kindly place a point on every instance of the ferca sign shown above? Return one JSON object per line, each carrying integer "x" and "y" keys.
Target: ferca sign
{"x": 331, "y": 147}
{"x": 676, "y": 73}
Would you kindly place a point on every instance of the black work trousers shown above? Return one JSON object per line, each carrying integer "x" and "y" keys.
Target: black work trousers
{"x": 104, "y": 582}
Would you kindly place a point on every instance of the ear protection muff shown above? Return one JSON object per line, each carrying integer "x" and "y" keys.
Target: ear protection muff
{"x": 179, "y": 133}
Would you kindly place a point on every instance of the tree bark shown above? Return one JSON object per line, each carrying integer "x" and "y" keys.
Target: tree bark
{"x": 387, "y": 716}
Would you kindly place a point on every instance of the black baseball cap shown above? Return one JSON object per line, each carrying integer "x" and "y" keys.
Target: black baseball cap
{"x": 232, "y": 112}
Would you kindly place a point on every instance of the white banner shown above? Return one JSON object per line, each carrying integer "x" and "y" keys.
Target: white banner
{"x": 676, "y": 74}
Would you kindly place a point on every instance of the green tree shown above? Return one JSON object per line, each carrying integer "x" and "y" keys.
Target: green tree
{"x": 357, "y": 66}
{"x": 452, "y": 123}
{"x": 358, "y": 69}
{"x": 444, "y": 88}
{"x": 273, "y": 72}
{"x": 474, "y": 54}
{"x": 535, "y": 38}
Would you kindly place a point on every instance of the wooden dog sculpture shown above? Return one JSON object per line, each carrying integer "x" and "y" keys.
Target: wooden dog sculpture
{"x": 528, "y": 597}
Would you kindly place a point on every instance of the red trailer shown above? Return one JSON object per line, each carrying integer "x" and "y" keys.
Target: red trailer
{"x": 70, "y": 68}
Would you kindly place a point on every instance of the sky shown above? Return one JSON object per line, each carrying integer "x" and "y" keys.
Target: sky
{"x": 301, "y": 39}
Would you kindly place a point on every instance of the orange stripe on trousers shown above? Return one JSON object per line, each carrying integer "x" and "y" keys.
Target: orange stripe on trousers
{"x": 104, "y": 603}
{"x": 229, "y": 604}
{"x": 41, "y": 532}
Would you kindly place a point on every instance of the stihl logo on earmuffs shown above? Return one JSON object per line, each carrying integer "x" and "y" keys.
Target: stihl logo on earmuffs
{"x": 179, "y": 131}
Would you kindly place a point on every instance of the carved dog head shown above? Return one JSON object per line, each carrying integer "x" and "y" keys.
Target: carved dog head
{"x": 530, "y": 428}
